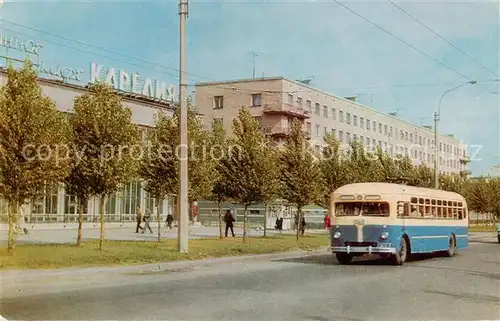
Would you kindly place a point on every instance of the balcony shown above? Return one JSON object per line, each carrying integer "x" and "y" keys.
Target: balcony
{"x": 286, "y": 109}
{"x": 281, "y": 132}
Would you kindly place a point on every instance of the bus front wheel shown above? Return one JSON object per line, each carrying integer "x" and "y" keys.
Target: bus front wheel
{"x": 343, "y": 258}
{"x": 401, "y": 254}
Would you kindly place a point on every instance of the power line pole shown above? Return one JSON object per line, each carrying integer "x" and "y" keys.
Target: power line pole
{"x": 183, "y": 228}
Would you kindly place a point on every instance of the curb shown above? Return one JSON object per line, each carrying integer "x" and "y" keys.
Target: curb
{"x": 24, "y": 275}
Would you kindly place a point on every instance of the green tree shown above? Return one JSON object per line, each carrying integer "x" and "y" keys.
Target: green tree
{"x": 452, "y": 183}
{"x": 301, "y": 174}
{"x": 476, "y": 194}
{"x": 387, "y": 166}
{"x": 362, "y": 165}
{"x": 405, "y": 171}
{"x": 493, "y": 197}
{"x": 77, "y": 183}
{"x": 219, "y": 148}
{"x": 33, "y": 142}
{"x": 424, "y": 176}
{"x": 249, "y": 166}
{"x": 332, "y": 169}
{"x": 158, "y": 166}
{"x": 108, "y": 140}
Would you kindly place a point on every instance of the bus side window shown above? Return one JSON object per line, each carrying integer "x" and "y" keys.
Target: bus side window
{"x": 403, "y": 209}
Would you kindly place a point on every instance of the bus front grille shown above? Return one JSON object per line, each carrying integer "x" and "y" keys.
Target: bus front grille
{"x": 373, "y": 244}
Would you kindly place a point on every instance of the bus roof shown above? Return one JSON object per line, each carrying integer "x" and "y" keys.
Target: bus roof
{"x": 379, "y": 188}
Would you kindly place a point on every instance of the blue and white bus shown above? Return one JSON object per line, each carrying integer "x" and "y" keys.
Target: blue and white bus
{"x": 396, "y": 221}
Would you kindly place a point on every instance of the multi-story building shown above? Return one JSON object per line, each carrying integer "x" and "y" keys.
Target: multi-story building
{"x": 275, "y": 102}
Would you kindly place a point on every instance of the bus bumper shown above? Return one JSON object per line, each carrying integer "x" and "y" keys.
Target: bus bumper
{"x": 361, "y": 249}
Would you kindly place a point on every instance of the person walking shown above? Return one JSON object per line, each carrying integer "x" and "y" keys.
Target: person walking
{"x": 303, "y": 225}
{"x": 170, "y": 219}
{"x": 229, "y": 219}
{"x": 327, "y": 221}
{"x": 147, "y": 219}
{"x": 139, "y": 220}
{"x": 279, "y": 224}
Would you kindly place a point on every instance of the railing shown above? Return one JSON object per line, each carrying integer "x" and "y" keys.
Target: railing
{"x": 286, "y": 108}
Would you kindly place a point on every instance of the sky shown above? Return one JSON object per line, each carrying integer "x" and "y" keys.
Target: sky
{"x": 394, "y": 64}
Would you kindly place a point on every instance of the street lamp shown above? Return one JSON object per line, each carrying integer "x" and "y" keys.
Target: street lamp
{"x": 437, "y": 115}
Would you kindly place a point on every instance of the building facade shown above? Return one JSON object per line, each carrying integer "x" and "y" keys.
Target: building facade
{"x": 55, "y": 205}
{"x": 275, "y": 102}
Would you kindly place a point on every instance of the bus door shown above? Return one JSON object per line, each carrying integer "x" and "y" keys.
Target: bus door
{"x": 403, "y": 213}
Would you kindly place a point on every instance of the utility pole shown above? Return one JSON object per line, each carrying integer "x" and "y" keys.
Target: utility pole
{"x": 183, "y": 227}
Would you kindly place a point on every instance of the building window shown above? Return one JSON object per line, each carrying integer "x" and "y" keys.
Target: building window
{"x": 362, "y": 122}
{"x": 290, "y": 99}
{"x": 256, "y": 100}
{"x": 333, "y": 132}
{"x": 341, "y": 116}
{"x": 375, "y": 126}
{"x": 355, "y": 120}
{"x": 318, "y": 112}
{"x": 334, "y": 114}
{"x": 218, "y": 102}
{"x": 326, "y": 130}
{"x": 390, "y": 131}
{"x": 355, "y": 137}
{"x": 368, "y": 124}
{"x": 367, "y": 141}
{"x": 385, "y": 130}
{"x": 362, "y": 139}
{"x": 308, "y": 127}
{"x": 411, "y": 137}
{"x": 348, "y": 137}
{"x": 309, "y": 105}
{"x": 341, "y": 136}
{"x": 380, "y": 128}
{"x": 348, "y": 118}
{"x": 317, "y": 130}
{"x": 299, "y": 101}
{"x": 325, "y": 111}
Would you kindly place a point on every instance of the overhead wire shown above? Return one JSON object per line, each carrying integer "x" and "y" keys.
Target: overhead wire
{"x": 443, "y": 38}
{"x": 408, "y": 44}
{"x": 112, "y": 52}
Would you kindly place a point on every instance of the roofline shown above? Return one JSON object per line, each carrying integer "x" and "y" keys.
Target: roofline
{"x": 400, "y": 186}
{"x": 208, "y": 83}
{"x": 164, "y": 105}
{"x": 244, "y": 80}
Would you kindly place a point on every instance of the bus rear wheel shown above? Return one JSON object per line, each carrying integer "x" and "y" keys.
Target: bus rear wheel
{"x": 401, "y": 254}
{"x": 451, "y": 247}
{"x": 343, "y": 258}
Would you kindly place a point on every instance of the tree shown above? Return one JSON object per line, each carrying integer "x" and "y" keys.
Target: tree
{"x": 405, "y": 170}
{"x": 108, "y": 139}
{"x": 332, "y": 169}
{"x": 452, "y": 183}
{"x": 249, "y": 166}
{"x": 219, "y": 190}
{"x": 77, "y": 183}
{"x": 424, "y": 176}
{"x": 158, "y": 166}
{"x": 476, "y": 194}
{"x": 493, "y": 197}
{"x": 33, "y": 142}
{"x": 361, "y": 166}
{"x": 301, "y": 175}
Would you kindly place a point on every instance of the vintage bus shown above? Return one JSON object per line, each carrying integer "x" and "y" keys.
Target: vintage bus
{"x": 396, "y": 221}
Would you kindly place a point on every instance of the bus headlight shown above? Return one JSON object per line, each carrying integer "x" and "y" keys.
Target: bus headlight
{"x": 336, "y": 235}
{"x": 384, "y": 235}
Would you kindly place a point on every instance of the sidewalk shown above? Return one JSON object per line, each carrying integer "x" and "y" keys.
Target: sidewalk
{"x": 60, "y": 236}
{"x": 483, "y": 237}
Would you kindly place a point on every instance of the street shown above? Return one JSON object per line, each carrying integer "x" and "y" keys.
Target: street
{"x": 464, "y": 287}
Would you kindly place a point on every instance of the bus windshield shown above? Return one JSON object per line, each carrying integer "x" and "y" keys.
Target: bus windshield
{"x": 363, "y": 208}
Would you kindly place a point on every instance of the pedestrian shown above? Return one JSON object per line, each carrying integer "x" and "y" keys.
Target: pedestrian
{"x": 229, "y": 219}
{"x": 303, "y": 225}
{"x": 327, "y": 221}
{"x": 170, "y": 219}
{"x": 279, "y": 224}
{"x": 139, "y": 220}
{"x": 22, "y": 221}
{"x": 147, "y": 219}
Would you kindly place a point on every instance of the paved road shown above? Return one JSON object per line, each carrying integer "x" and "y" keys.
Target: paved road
{"x": 464, "y": 287}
